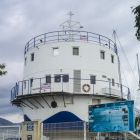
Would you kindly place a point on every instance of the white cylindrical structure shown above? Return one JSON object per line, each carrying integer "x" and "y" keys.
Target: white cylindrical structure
{"x": 64, "y": 73}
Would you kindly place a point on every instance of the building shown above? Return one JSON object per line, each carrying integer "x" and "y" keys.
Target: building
{"x": 65, "y": 72}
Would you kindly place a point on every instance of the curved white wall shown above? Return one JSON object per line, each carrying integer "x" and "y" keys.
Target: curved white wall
{"x": 88, "y": 61}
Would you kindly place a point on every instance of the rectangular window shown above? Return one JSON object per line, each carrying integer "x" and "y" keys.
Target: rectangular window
{"x": 92, "y": 79}
{"x": 55, "y": 51}
{"x": 104, "y": 76}
{"x": 31, "y": 82}
{"x": 57, "y": 78}
{"x": 48, "y": 79}
{"x": 29, "y": 137}
{"x": 113, "y": 82}
{"x": 112, "y": 58}
{"x": 75, "y": 51}
{"x": 102, "y": 54}
{"x": 32, "y": 56}
{"x": 66, "y": 78}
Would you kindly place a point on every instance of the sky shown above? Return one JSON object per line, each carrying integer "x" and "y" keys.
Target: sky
{"x": 21, "y": 20}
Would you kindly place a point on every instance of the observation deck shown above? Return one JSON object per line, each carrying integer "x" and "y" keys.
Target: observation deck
{"x": 70, "y": 36}
{"x": 66, "y": 87}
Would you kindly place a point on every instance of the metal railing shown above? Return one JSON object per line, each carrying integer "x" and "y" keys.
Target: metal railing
{"x": 71, "y": 86}
{"x": 80, "y": 130}
{"x": 70, "y": 36}
{"x": 11, "y": 132}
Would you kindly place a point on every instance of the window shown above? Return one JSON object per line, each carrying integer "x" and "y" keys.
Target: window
{"x": 113, "y": 82}
{"x": 29, "y": 137}
{"x": 32, "y": 56}
{"x": 55, "y": 51}
{"x": 104, "y": 76}
{"x": 48, "y": 79}
{"x": 25, "y": 61}
{"x": 57, "y": 78}
{"x": 92, "y": 79}
{"x": 112, "y": 58}
{"x": 102, "y": 54}
{"x": 75, "y": 51}
{"x": 31, "y": 82}
{"x": 65, "y": 78}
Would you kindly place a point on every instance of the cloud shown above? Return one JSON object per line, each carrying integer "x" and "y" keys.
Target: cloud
{"x": 22, "y": 20}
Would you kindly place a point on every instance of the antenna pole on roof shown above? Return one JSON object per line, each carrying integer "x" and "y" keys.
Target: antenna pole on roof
{"x": 70, "y": 24}
{"x": 138, "y": 70}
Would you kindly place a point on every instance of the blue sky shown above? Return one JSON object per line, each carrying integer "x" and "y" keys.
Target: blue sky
{"x": 21, "y": 20}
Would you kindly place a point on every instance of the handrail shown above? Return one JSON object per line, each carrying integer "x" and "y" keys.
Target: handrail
{"x": 39, "y": 85}
{"x": 70, "y": 36}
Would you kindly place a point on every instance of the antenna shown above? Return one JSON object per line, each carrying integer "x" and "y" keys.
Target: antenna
{"x": 138, "y": 70}
{"x": 70, "y": 15}
{"x": 70, "y": 24}
{"x": 115, "y": 40}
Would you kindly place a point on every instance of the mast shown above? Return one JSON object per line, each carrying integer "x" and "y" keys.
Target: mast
{"x": 119, "y": 67}
{"x": 138, "y": 70}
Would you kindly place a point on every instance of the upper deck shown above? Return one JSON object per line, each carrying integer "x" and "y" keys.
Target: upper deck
{"x": 70, "y": 36}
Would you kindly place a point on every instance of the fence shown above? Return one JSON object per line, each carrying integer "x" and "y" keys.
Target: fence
{"x": 68, "y": 36}
{"x": 79, "y": 131}
{"x": 10, "y": 132}
{"x": 69, "y": 85}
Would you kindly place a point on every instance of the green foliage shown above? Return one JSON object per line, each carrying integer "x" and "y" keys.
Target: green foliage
{"x": 136, "y": 12}
{"x": 2, "y": 69}
{"x": 137, "y": 122}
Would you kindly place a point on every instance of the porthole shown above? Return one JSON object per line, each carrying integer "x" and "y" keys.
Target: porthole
{"x": 53, "y": 104}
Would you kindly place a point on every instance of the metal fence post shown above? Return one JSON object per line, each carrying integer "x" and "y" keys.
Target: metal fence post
{"x": 34, "y": 42}
{"x": 85, "y": 136}
{"x": 99, "y": 39}
{"x": 109, "y": 44}
{"x": 87, "y": 36}
{"x": 44, "y": 38}
{"x": 40, "y": 85}
{"x": 128, "y": 94}
{"x": 98, "y": 135}
{"x": 109, "y": 80}
{"x": 22, "y": 87}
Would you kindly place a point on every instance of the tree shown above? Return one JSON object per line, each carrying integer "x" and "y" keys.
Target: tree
{"x": 2, "y": 69}
{"x": 137, "y": 122}
{"x": 136, "y": 12}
